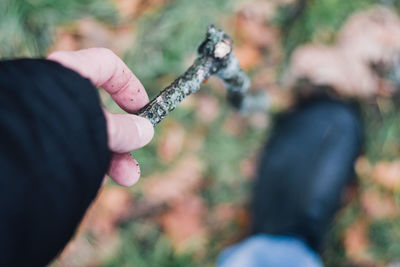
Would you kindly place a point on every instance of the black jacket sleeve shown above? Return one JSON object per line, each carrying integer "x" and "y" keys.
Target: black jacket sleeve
{"x": 53, "y": 156}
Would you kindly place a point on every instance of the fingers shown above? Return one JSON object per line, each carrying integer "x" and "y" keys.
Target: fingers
{"x": 103, "y": 68}
{"x": 124, "y": 169}
{"x": 127, "y": 132}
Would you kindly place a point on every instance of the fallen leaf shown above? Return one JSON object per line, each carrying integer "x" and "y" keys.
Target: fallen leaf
{"x": 356, "y": 241}
{"x": 280, "y": 99}
{"x": 380, "y": 43}
{"x": 378, "y": 206}
{"x": 227, "y": 213}
{"x": 100, "y": 223}
{"x": 363, "y": 166}
{"x": 254, "y": 32}
{"x": 171, "y": 142}
{"x": 259, "y": 120}
{"x": 207, "y": 108}
{"x": 264, "y": 78}
{"x": 127, "y": 8}
{"x": 184, "y": 223}
{"x": 346, "y": 66}
{"x": 387, "y": 174}
{"x": 113, "y": 204}
{"x": 147, "y": 6}
{"x": 89, "y": 32}
{"x": 224, "y": 214}
{"x": 123, "y": 39}
{"x": 259, "y": 10}
{"x": 328, "y": 66}
{"x": 248, "y": 56}
{"x": 194, "y": 142}
{"x": 235, "y": 125}
{"x": 65, "y": 40}
{"x": 176, "y": 183}
{"x": 248, "y": 167}
{"x": 94, "y": 33}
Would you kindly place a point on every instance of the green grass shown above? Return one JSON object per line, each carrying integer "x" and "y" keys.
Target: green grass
{"x": 27, "y": 27}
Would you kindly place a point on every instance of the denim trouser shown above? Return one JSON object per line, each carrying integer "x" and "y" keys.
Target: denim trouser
{"x": 265, "y": 250}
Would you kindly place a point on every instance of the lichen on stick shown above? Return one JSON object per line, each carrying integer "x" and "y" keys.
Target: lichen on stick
{"x": 215, "y": 57}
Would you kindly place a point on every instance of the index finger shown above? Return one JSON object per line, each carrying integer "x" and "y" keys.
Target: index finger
{"x": 103, "y": 68}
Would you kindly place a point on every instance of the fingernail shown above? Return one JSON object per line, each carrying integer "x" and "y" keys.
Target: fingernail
{"x": 145, "y": 130}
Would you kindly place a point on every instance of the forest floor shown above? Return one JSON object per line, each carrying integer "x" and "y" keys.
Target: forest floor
{"x": 192, "y": 199}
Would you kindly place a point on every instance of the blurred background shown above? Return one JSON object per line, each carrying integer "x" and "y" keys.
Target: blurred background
{"x": 192, "y": 199}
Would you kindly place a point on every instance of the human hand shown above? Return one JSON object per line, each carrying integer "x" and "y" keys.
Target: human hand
{"x": 126, "y": 132}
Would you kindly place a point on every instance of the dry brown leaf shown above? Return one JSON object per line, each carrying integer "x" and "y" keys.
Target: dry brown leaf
{"x": 363, "y": 166}
{"x": 127, "y": 8}
{"x": 378, "y": 206}
{"x": 248, "y": 168}
{"x": 259, "y": 10}
{"x": 224, "y": 213}
{"x": 235, "y": 125}
{"x": 329, "y": 66}
{"x": 207, "y": 108}
{"x": 259, "y": 120}
{"x": 89, "y": 32}
{"x": 347, "y": 66}
{"x": 387, "y": 174}
{"x": 147, "y": 6}
{"x": 195, "y": 142}
{"x": 254, "y": 32}
{"x": 176, "y": 183}
{"x": 264, "y": 77}
{"x": 94, "y": 33}
{"x": 280, "y": 99}
{"x": 113, "y": 204}
{"x": 171, "y": 142}
{"x": 248, "y": 56}
{"x": 65, "y": 40}
{"x": 123, "y": 39}
{"x": 184, "y": 223}
{"x": 356, "y": 241}
{"x": 135, "y": 8}
{"x": 372, "y": 35}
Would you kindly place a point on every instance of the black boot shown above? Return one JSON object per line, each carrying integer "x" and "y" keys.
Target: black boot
{"x": 305, "y": 166}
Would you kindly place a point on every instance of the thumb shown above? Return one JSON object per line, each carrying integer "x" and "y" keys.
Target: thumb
{"x": 127, "y": 132}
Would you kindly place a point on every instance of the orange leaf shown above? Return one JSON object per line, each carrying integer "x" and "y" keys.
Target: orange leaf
{"x": 356, "y": 241}
{"x": 113, "y": 204}
{"x": 249, "y": 56}
{"x": 176, "y": 183}
{"x": 171, "y": 142}
{"x": 184, "y": 223}
{"x": 363, "y": 166}
{"x": 378, "y": 206}
{"x": 387, "y": 174}
{"x": 252, "y": 24}
{"x": 235, "y": 125}
{"x": 207, "y": 108}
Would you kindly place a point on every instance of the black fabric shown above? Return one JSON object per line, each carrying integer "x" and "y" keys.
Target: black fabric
{"x": 53, "y": 156}
{"x": 304, "y": 167}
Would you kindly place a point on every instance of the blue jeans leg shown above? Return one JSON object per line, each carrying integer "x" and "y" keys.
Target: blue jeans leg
{"x": 263, "y": 250}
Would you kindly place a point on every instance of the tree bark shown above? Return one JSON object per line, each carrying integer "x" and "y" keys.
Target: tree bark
{"x": 215, "y": 57}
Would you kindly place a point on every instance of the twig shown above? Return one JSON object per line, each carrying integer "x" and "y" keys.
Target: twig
{"x": 215, "y": 57}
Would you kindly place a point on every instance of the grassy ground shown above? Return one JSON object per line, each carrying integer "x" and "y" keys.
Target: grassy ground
{"x": 166, "y": 34}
